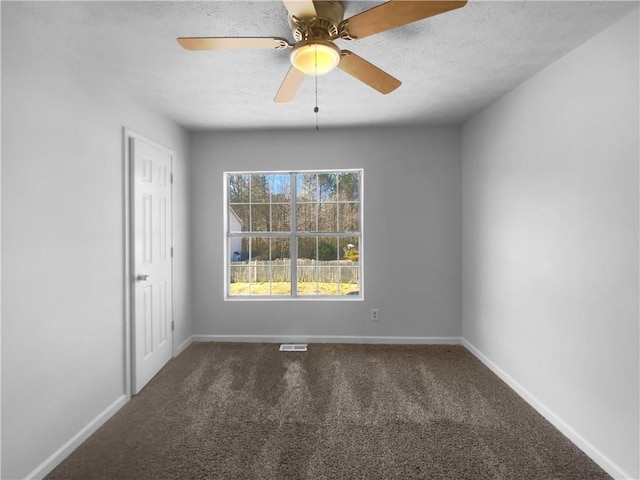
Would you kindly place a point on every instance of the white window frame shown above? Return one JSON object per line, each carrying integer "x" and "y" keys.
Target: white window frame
{"x": 293, "y": 235}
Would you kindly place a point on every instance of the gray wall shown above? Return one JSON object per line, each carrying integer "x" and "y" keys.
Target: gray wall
{"x": 62, "y": 242}
{"x": 412, "y": 227}
{"x": 550, "y": 241}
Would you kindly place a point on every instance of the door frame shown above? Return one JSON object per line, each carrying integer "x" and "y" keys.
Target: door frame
{"x": 128, "y": 277}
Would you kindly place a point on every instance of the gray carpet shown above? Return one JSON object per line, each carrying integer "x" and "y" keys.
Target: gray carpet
{"x": 247, "y": 411}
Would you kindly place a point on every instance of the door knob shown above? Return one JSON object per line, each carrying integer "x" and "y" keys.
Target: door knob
{"x": 142, "y": 278}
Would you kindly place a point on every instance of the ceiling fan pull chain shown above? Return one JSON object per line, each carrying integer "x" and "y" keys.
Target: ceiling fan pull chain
{"x": 316, "y": 109}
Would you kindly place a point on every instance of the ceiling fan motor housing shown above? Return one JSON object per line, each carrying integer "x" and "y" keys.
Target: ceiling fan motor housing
{"x": 325, "y": 25}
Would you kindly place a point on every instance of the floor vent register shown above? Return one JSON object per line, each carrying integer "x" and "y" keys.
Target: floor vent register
{"x": 293, "y": 347}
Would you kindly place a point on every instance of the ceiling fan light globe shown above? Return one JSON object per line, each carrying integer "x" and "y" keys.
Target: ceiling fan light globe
{"x": 315, "y": 57}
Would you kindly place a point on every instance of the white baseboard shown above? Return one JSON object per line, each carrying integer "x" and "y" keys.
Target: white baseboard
{"x": 183, "y": 346}
{"x": 604, "y": 462}
{"x": 327, "y": 339}
{"x": 65, "y": 450}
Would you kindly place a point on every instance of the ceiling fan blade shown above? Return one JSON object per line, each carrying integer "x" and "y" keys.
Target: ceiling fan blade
{"x": 395, "y": 13}
{"x": 368, "y": 73}
{"x": 300, "y": 8}
{"x": 289, "y": 86}
{"x": 232, "y": 43}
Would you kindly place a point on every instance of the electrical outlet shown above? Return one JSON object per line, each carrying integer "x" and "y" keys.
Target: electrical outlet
{"x": 374, "y": 314}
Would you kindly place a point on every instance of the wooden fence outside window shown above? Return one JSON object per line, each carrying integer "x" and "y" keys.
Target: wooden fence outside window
{"x": 342, "y": 271}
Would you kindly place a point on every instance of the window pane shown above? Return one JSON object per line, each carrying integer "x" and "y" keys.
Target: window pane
{"x": 307, "y": 271}
{"x": 280, "y": 187}
{"x": 238, "y": 186}
{"x": 260, "y": 221}
{"x": 349, "y": 217}
{"x": 328, "y": 275}
{"x": 278, "y": 267}
{"x": 239, "y": 269}
{"x": 307, "y": 276}
{"x": 239, "y": 218}
{"x": 327, "y": 187}
{"x": 281, "y": 249}
{"x": 260, "y": 188}
{"x": 307, "y": 186}
{"x": 349, "y": 186}
{"x": 349, "y": 249}
{"x": 307, "y": 218}
{"x": 307, "y": 248}
{"x": 349, "y": 266}
{"x": 328, "y": 266}
{"x": 259, "y": 279}
{"x": 280, "y": 287}
{"x": 280, "y": 273}
{"x": 260, "y": 249}
{"x": 327, "y": 221}
{"x": 280, "y": 217}
{"x": 327, "y": 249}
{"x": 349, "y": 283}
{"x": 239, "y": 279}
{"x": 235, "y": 249}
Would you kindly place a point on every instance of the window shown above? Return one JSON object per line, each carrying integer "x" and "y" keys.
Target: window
{"x": 294, "y": 234}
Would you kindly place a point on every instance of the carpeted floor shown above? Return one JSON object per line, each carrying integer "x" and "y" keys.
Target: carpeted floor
{"x": 246, "y": 411}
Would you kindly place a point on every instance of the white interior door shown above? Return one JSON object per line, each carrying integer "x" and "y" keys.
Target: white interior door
{"x": 151, "y": 261}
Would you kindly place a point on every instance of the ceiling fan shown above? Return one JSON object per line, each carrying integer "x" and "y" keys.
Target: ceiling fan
{"x": 315, "y": 25}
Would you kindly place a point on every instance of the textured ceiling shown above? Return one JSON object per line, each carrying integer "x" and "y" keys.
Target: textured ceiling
{"x": 451, "y": 65}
